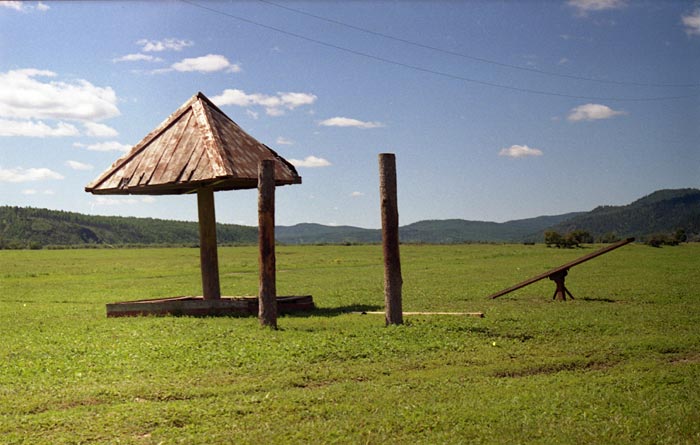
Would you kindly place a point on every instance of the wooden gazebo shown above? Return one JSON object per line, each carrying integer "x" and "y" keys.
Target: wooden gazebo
{"x": 198, "y": 149}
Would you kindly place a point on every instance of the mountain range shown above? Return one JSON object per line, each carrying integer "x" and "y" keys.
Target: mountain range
{"x": 662, "y": 212}
{"x": 447, "y": 231}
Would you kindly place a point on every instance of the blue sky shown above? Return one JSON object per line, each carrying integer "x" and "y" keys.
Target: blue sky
{"x": 495, "y": 110}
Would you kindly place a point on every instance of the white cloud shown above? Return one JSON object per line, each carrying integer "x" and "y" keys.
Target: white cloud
{"x": 273, "y": 105}
{"x": 75, "y": 165}
{"x": 349, "y": 122}
{"x": 39, "y": 129}
{"x": 99, "y": 130}
{"x": 22, "y": 96}
{"x": 583, "y": 7}
{"x": 310, "y": 162}
{"x": 164, "y": 45}
{"x": 356, "y": 194}
{"x": 137, "y": 57}
{"x": 26, "y": 175}
{"x": 274, "y": 112}
{"x": 592, "y": 112}
{"x": 109, "y": 201}
{"x": 252, "y": 114}
{"x": 691, "y": 21}
{"x": 293, "y": 100}
{"x": 104, "y": 146}
{"x": 16, "y": 5}
{"x": 519, "y": 151}
{"x": 24, "y": 6}
{"x": 206, "y": 64}
{"x": 36, "y": 192}
{"x": 281, "y": 140}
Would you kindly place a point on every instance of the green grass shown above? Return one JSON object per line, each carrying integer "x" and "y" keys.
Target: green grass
{"x": 620, "y": 364}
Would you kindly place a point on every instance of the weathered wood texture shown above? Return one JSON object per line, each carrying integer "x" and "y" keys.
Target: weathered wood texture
{"x": 208, "y": 252}
{"x": 562, "y": 268}
{"x": 266, "y": 240}
{"x": 390, "y": 238}
{"x": 196, "y": 146}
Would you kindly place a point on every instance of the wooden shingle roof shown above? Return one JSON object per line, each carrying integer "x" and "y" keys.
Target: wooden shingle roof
{"x": 197, "y": 146}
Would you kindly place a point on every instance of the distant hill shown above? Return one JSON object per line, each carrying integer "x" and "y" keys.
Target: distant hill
{"x": 35, "y": 228}
{"x": 307, "y": 233}
{"x": 664, "y": 211}
{"x": 431, "y": 231}
{"x": 460, "y": 231}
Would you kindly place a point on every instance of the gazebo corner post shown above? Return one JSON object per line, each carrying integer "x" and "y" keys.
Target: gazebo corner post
{"x": 267, "y": 296}
{"x": 390, "y": 239}
{"x": 208, "y": 254}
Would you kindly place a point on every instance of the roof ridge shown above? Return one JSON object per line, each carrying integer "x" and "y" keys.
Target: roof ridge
{"x": 211, "y": 138}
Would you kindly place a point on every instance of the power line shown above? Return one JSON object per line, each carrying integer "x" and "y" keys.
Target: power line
{"x": 435, "y": 72}
{"x": 479, "y": 59}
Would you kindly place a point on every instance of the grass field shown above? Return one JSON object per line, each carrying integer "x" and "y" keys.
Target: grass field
{"x": 620, "y": 364}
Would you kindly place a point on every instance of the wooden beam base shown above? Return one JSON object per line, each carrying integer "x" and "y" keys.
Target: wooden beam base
{"x": 199, "y": 307}
{"x": 465, "y": 314}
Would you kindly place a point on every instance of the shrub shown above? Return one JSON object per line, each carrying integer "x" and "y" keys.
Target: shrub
{"x": 571, "y": 239}
{"x": 608, "y": 238}
{"x": 660, "y": 239}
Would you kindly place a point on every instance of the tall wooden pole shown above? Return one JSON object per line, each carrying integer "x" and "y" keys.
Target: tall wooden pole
{"x": 390, "y": 238}
{"x": 208, "y": 256}
{"x": 267, "y": 296}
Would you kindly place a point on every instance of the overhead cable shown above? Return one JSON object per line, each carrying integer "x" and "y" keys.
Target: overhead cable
{"x": 435, "y": 72}
{"x": 480, "y": 59}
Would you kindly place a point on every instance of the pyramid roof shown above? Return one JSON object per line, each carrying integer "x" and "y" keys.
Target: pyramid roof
{"x": 197, "y": 146}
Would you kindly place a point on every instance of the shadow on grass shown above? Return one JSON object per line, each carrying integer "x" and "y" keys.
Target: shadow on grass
{"x": 600, "y": 300}
{"x": 335, "y": 311}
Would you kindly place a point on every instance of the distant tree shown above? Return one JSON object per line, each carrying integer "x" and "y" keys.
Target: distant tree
{"x": 571, "y": 239}
{"x": 660, "y": 239}
{"x": 680, "y": 236}
{"x": 579, "y": 237}
{"x": 552, "y": 238}
{"x": 610, "y": 237}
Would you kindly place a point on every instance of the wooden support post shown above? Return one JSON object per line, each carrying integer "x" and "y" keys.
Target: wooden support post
{"x": 208, "y": 255}
{"x": 390, "y": 238}
{"x": 267, "y": 296}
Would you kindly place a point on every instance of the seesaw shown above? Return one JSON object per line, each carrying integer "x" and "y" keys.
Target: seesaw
{"x": 558, "y": 274}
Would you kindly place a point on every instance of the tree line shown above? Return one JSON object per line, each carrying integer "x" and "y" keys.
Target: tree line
{"x": 30, "y": 228}
{"x": 577, "y": 237}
